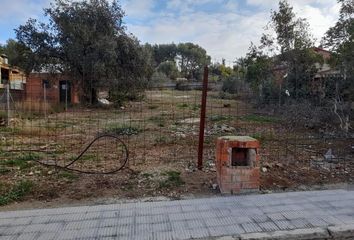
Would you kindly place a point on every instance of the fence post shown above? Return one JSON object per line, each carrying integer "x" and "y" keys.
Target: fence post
{"x": 45, "y": 100}
{"x": 202, "y": 119}
{"x": 8, "y": 103}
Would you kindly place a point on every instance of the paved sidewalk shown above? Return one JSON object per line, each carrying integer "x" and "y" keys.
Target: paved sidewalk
{"x": 185, "y": 219}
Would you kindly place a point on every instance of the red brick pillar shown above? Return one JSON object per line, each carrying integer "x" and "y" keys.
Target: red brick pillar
{"x": 237, "y": 164}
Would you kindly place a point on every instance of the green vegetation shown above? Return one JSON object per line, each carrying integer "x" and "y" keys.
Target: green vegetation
{"x": 9, "y": 129}
{"x": 85, "y": 157}
{"x": 68, "y": 175}
{"x": 219, "y": 118}
{"x": 193, "y": 107}
{"x": 89, "y": 157}
{"x": 120, "y": 129}
{"x": 159, "y": 120}
{"x": 161, "y": 140}
{"x": 260, "y": 119}
{"x": 18, "y": 192}
{"x": 182, "y": 105}
{"x": 147, "y": 175}
{"x": 60, "y": 125}
{"x": 22, "y": 161}
{"x": 153, "y": 107}
{"x": 4, "y": 171}
{"x": 127, "y": 64}
{"x": 3, "y": 114}
{"x": 173, "y": 180}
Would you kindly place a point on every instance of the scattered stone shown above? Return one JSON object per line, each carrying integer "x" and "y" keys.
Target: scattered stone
{"x": 279, "y": 165}
{"x": 180, "y": 134}
{"x": 217, "y": 129}
{"x": 30, "y": 174}
{"x": 264, "y": 169}
{"x": 43, "y": 147}
{"x": 329, "y": 156}
{"x": 267, "y": 165}
{"x": 190, "y": 169}
{"x": 190, "y": 120}
{"x": 103, "y": 101}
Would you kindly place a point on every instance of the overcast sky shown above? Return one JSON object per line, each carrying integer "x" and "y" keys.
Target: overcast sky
{"x": 224, "y": 28}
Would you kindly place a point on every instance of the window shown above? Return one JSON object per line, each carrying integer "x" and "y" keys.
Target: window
{"x": 45, "y": 84}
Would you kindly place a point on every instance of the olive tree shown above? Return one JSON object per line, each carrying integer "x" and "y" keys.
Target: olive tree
{"x": 87, "y": 40}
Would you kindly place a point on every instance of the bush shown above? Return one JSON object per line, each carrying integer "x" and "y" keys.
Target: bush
{"x": 231, "y": 85}
{"x": 173, "y": 180}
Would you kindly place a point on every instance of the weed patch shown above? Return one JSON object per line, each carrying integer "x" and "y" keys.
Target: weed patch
{"x": 182, "y": 105}
{"x": 68, "y": 175}
{"x": 260, "y": 119}
{"x": 23, "y": 161}
{"x": 219, "y": 118}
{"x": 18, "y": 192}
{"x": 173, "y": 180}
{"x": 4, "y": 171}
{"x": 158, "y": 120}
{"x": 151, "y": 107}
{"x": 9, "y": 130}
{"x": 122, "y": 130}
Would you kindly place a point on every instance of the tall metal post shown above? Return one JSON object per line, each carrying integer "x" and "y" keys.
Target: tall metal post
{"x": 45, "y": 99}
{"x": 202, "y": 119}
{"x": 66, "y": 96}
{"x": 8, "y": 103}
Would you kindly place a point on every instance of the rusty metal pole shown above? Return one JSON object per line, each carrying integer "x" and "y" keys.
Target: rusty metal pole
{"x": 202, "y": 119}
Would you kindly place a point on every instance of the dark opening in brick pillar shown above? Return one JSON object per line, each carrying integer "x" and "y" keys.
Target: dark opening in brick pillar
{"x": 239, "y": 157}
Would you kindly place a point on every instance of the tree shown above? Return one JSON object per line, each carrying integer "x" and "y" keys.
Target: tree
{"x": 191, "y": 59}
{"x": 87, "y": 41}
{"x": 340, "y": 39}
{"x": 164, "y": 52}
{"x": 259, "y": 73}
{"x": 169, "y": 68}
{"x": 291, "y": 42}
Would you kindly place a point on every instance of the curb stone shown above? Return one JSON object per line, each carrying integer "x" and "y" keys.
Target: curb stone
{"x": 310, "y": 233}
{"x": 297, "y": 234}
{"x": 342, "y": 231}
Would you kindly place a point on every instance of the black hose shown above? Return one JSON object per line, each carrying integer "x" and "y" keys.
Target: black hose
{"x": 67, "y": 166}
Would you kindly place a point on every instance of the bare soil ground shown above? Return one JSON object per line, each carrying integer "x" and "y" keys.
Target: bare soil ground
{"x": 161, "y": 133}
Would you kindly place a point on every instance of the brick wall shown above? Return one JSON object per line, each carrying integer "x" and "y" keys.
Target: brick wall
{"x": 35, "y": 90}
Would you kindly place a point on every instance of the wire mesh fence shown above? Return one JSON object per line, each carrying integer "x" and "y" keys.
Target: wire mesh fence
{"x": 161, "y": 130}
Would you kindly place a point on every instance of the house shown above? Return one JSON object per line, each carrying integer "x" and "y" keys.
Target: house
{"x": 324, "y": 71}
{"x": 12, "y": 75}
{"x": 54, "y": 88}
